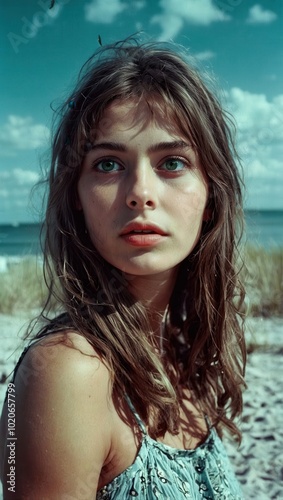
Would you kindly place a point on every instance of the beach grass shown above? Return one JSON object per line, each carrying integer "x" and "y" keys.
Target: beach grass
{"x": 23, "y": 287}
{"x": 262, "y": 276}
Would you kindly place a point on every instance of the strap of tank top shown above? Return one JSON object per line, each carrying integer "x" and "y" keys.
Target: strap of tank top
{"x": 140, "y": 423}
{"x": 32, "y": 343}
{"x": 54, "y": 326}
{"x": 208, "y": 423}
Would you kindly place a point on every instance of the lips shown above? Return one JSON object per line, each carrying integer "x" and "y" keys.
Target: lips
{"x": 142, "y": 234}
{"x": 142, "y": 228}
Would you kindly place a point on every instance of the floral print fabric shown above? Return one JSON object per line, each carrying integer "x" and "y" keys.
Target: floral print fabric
{"x": 162, "y": 472}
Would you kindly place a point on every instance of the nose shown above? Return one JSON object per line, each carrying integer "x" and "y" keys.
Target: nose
{"x": 142, "y": 190}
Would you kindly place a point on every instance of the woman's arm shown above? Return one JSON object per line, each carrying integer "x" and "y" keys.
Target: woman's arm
{"x": 63, "y": 423}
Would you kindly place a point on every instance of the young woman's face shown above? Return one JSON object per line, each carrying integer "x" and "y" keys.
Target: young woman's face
{"x": 142, "y": 192}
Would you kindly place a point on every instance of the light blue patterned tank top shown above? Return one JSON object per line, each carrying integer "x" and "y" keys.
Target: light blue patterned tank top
{"x": 165, "y": 473}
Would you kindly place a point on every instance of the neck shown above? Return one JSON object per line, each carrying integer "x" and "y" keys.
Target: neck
{"x": 154, "y": 291}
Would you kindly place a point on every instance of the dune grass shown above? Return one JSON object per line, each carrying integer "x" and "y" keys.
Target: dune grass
{"x": 23, "y": 288}
{"x": 263, "y": 279}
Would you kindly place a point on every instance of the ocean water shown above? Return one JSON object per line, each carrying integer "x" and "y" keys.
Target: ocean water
{"x": 19, "y": 240}
{"x": 263, "y": 228}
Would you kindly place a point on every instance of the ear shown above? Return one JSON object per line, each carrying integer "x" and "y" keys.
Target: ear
{"x": 207, "y": 214}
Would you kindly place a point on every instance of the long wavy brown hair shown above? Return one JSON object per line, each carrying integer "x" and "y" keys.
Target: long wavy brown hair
{"x": 204, "y": 343}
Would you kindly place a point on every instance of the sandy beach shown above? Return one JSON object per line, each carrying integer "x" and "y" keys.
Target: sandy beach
{"x": 259, "y": 460}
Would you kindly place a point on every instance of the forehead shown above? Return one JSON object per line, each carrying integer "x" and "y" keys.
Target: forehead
{"x": 129, "y": 114}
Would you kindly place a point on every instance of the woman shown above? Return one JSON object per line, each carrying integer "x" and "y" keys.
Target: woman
{"x": 128, "y": 391}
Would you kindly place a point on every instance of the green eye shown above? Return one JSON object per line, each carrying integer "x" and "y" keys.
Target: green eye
{"x": 107, "y": 166}
{"x": 173, "y": 164}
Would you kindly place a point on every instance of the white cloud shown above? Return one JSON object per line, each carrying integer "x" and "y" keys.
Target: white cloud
{"x": 25, "y": 176}
{"x": 170, "y": 28}
{"x": 257, "y": 15}
{"x": 254, "y": 112}
{"x": 138, "y": 4}
{"x": 18, "y": 177}
{"x": 21, "y": 133}
{"x": 256, "y": 168}
{"x": 260, "y": 144}
{"x": 15, "y": 193}
{"x": 4, "y": 193}
{"x": 103, "y": 11}
{"x": 15, "y": 207}
{"x": 205, "y": 55}
{"x": 175, "y": 13}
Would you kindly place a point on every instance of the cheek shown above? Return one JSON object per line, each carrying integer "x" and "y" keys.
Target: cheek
{"x": 192, "y": 202}
{"x": 97, "y": 230}
{"x": 91, "y": 201}
{"x": 191, "y": 192}
{"x": 98, "y": 214}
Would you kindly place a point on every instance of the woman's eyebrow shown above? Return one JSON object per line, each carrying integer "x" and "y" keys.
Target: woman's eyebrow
{"x": 160, "y": 146}
{"x": 112, "y": 146}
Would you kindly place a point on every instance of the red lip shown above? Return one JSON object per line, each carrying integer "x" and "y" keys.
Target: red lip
{"x": 142, "y": 239}
{"x": 142, "y": 226}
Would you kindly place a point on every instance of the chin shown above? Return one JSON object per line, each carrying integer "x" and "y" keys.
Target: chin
{"x": 146, "y": 269}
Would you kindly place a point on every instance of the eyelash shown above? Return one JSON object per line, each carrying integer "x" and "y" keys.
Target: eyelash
{"x": 186, "y": 164}
{"x": 104, "y": 160}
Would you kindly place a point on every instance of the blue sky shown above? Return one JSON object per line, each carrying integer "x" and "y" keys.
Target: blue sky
{"x": 238, "y": 41}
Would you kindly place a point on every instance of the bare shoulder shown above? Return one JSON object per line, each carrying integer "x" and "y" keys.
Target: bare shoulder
{"x": 63, "y": 362}
{"x": 64, "y": 414}
{"x": 62, "y": 351}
